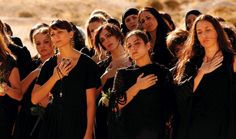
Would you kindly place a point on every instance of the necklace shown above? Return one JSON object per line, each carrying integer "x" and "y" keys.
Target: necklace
{"x": 61, "y": 82}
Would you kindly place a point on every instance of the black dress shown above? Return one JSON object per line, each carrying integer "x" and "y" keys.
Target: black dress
{"x": 8, "y": 105}
{"x": 147, "y": 113}
{"x": 27, "y": 124}
{"x": 66, "y": 116}
{"x": 101, "y": 124}
{"x": 208, "y": 112}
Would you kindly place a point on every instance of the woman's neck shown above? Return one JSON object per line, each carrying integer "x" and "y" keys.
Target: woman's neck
{"x": 153, "y": 38}
{"x": 117, "y": 53}
{"x": 211, "y": 52}
{"x": 143, "y": 61}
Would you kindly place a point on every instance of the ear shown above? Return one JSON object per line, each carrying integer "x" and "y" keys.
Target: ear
{"x": 71, "y": 33}
{"x": 148, "y": 45}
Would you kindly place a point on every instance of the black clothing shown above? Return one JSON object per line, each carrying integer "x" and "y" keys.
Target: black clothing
{"x": 208, "y": 112}
{"x": 147, "y": 113}
{"x": 17, "y": 41}
{"x": 23, "y": 59}
{"x": 8, "y": 106}
{"x": 101, "y": 125}
{"x": 66, "y": 116}
{"x": 24, "y": 127}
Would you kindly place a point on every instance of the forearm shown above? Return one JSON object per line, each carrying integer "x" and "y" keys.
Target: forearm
{"x": 130, "y": 93}
{"x": 14, "y": 93}
{"x": 25, "y": 83}
{"x": 42, "y": 91}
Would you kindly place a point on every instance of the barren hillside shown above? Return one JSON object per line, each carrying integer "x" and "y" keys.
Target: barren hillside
{"x": 23, "y": 14}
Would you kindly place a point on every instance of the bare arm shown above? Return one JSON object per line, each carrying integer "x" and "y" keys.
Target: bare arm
{"x": 25, "y": 83}
{"x": 40, "y": 92}
{"x": 91, "y": 111}
{"x": 14, "y": 91}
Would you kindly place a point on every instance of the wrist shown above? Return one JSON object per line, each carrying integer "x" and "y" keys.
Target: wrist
{"x": 201, "y": 72}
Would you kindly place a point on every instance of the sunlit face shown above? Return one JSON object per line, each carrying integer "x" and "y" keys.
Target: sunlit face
{"x": 43, "y": 44}
{"x": 92, "y": 29}
{"x": 206, "y": 34}
{"x": 148, "y": 21}
{"x": 61, "y": 37}
{"x": 131, "y": 22}
{"x": 189, "y": 20}
{"x": 109, "y": 41}
{"x": 136, "y": 47}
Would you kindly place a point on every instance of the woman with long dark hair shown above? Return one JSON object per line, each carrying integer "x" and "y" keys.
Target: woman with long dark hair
{"x": 206, "y": 83}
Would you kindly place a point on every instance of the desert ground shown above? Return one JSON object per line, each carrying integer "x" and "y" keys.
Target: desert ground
{"x": 23, "y": 14}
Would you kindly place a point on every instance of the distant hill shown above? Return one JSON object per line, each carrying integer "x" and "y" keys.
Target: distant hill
{"x": 23, "y": 14}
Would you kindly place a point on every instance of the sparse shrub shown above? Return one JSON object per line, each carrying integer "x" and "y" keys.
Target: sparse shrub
{"x": 172, "y": 4}
{"x": 25, "y": 14}
{"x": 156, "y": 4}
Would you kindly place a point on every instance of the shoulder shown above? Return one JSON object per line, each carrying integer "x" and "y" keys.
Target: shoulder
{"x": 50, "y": 62}
{"x": 105, "y": 62}
{"x": 11, "y": 61}
{"x": 160, "y": 68}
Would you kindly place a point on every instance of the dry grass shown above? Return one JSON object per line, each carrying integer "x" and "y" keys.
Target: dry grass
{"x": 23, "y": 14}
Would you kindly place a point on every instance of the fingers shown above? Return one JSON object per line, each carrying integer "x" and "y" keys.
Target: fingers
{"x": 140, "y": 76}
{"x": 64, "y": 69}
{"x": 147, "y": 81}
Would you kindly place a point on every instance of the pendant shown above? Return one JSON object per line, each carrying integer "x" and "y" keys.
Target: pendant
{"x": 60, "y": 94}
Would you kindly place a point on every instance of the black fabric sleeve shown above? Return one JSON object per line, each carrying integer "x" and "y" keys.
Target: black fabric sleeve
{"x": 93, "y": 79}
{"x": 45, "y": 73}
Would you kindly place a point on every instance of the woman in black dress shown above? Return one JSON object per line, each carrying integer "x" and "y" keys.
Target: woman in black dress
{"x": 142, "y": 96}
{"x": 110, "y": 39}
{"x": 29, "y": 117}
{"x": 156, "y": 28}
{"x": 72, "y": 79}
{"x": 10, "y": 90}
{"x": 206, "y": 83}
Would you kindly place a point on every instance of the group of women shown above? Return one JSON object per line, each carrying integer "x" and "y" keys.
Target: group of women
{"x": 126, "y": 84}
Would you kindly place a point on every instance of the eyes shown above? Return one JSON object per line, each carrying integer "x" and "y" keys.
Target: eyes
{"x": 143, "y": 20}
{"x": 38, "y": 43}
{"x": 52, "y": 33}
{"x": 136, "y": 44}
{"x": 131, "y": 18}
{"x": 199, "y": 32}
{"x": 106, "y": 36}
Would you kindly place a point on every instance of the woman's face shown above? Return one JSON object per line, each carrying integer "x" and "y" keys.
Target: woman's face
{"x": 92, "y": 28}
{"x": 206, "y": 34}
{"x": 131, "y": 22}
{"x": 43, "y": 44}
{"x": 189, "y": 20}
{"x": 61, "y": 37}
{"x": 136, "y": 47}
{"x": 109, "y": 41}
{"x": 148, "y": 21}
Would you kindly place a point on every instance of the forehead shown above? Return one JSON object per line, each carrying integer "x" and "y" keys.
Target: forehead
{"x": 191, "y": 16}
{"x": 132, "y": 15}
{"x": 203, "y": 24}
{"x": 133, "y": 38}
{"x": 104, "y": 32}
{"x": 145, "y": 13}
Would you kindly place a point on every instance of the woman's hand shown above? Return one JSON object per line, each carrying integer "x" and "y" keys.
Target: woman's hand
{"x": 146, "y": 82}
{"x": 3, "y": 89}
{"x": 209, "y": 66}
{"x": 62, "y": 70}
